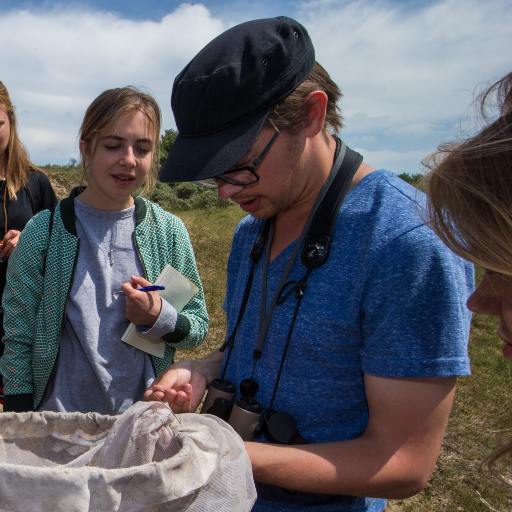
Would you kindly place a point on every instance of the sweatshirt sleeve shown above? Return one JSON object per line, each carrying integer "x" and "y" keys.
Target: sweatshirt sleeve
{"x": 21, "y": 299}
{"x": 192, "y": 322}
{"x": 165, "y": 323}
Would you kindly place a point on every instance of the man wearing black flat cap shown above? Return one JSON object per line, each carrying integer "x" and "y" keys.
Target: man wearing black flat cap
{"x": 356, "y": 336}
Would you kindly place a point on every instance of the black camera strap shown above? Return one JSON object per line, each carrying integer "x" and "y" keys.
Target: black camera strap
{"x": 318, "y": 240}
{"x": 255, "y": 255}
{"x": 317, "y": 234}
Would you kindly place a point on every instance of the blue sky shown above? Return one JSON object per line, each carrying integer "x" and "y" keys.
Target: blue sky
{"x": 408, "y": 70}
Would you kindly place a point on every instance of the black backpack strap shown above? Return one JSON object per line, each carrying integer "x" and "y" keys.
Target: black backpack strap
{"x": 30, "y": 198}
{"x": 318, "y": 241}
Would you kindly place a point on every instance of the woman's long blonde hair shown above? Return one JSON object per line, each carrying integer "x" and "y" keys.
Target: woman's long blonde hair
{"x": 469, "y": 202}
{"x": 112, "y": 104}
{"x": 469, "y": 187}
{"x": 17, "y": 161}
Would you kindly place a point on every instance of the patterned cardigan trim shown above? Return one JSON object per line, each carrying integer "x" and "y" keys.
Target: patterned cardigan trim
{"x": 40, "y": 276}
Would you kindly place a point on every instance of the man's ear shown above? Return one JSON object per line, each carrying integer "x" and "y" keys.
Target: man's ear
{"x": 316, "y": 103}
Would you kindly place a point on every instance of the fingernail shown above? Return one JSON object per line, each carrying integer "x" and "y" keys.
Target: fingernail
{"x": 180, "y": 399}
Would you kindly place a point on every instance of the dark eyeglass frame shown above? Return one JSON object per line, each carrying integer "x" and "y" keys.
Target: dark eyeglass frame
{"x": 212, "y": 182}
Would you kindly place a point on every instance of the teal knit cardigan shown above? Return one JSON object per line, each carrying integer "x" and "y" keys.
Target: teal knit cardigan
{"x": 39, "y": 280}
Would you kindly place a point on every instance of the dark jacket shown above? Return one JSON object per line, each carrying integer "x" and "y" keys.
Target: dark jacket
{"x": 36, "y": 196}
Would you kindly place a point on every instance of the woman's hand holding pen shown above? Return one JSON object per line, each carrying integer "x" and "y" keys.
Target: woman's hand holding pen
{"x": 141, "y": 308}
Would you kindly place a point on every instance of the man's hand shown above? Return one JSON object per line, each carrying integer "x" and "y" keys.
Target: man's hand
{"x": 180, "y": 402}
{"x": 9, "y": 242}
{"x": 142, "y": 308}
{"x": 183, "y": 384}
{"x": 179, "y": 386}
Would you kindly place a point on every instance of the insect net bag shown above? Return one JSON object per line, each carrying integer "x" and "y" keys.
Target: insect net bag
{"x": 143, "y": 460}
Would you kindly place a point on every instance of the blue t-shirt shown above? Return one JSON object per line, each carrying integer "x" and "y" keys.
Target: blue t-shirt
{"x": 390, "y": 301}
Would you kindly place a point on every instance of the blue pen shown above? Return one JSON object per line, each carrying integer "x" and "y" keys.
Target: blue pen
{"x": 150, "y": 288}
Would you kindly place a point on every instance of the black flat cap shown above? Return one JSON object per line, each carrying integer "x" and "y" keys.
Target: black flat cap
{"x": 221, "y": 99}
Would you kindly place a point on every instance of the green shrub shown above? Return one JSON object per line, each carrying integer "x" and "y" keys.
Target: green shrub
{"x": 186, "y": 196}
{"x": 415, "y": 180}
{"x": 208, "y": 200}
{"x": 163, "y": 194}
{"x": 186, "y": 190}
{"x": 177, "y": 204}
{"x": 166, "y": 142}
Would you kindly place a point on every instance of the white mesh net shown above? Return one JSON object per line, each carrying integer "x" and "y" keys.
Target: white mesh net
{"x": 143, "y": 460}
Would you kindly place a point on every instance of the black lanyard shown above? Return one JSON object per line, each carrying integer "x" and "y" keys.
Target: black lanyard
{"x": 256, "y": 251}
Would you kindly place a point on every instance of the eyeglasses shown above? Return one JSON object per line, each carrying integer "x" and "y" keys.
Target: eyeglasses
{"x": 242, "y": 175}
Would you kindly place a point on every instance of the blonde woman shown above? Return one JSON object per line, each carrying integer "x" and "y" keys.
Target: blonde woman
{"x": 63, "y": 349}
{"x": 470, "y": 208}
{"x": 24, "y": 191}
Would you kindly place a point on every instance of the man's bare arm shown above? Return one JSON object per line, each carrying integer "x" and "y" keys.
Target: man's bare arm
{"x": 393, "y": 458}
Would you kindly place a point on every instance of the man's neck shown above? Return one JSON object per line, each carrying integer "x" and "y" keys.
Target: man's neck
{"x": 290, "y": 223}
{"x": 317, "y": 166}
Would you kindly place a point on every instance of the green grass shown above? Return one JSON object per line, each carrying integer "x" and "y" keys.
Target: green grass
{"x": 211, "y": 232}
{"x": 482, "y": 402}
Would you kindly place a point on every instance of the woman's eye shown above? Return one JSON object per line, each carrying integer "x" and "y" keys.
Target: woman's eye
{"x": 144, "y": 151}
{"x": 111, "y": 147}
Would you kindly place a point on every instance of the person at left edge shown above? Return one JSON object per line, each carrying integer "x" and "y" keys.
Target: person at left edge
{"x": 24, "y": 191}
{"x": 63, "y": 348}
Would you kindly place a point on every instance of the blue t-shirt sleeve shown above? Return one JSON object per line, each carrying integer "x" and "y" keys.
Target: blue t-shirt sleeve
{"x": 414, "y": 319}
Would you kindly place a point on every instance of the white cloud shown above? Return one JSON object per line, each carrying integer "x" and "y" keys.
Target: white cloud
{"x": 399, "y": 162}
{"x": 56, "y": 63}
{"x": 411, "y": 65}
{"x": 407, "y": 74}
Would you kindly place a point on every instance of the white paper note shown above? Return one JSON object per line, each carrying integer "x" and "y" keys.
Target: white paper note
{"x": 178, "y": 292}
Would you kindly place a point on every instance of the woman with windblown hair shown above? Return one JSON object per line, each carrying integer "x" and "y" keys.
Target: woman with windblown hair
{"x": 24, "y": 191}
{"x": 470, "y": 208}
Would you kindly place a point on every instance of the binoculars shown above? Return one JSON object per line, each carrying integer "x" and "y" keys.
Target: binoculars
{"x": 243, "y": 414}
